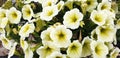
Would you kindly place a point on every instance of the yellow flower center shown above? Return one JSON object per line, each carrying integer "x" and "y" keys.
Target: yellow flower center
{"x": 14, "y": 15}
{"x": 26, "y": 28}
{"x": 49, "y": 13}
{"x": 98, "y": 18}
{"x": 104, "y": 7}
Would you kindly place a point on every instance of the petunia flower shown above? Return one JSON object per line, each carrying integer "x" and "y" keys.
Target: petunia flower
{"x": 23, "y": 44}
{"x": 27, "y": 12}
{"x": 56, "y": 55}
{"x": 28, "y": 53}
{"x": 12, "y": 50}
{"x": 60, "y": 5}
{"x": 98, "y": 17}
{"x": 72, "y": 18}
{"x": 99, "y": 49}
{"x": 86, "y": 50}
{"x": 75, "y": 49}
{"x": 48, "y": 13}
{"x": 106, "y": 33}
{"x": 47, "y": 50}
{"x": 114, "y": 53}
{"x": 61, "y": 36}
{"x": 26, "y": 29}
{"x": 46, "y": 3}
{"x": 14, "y": 15}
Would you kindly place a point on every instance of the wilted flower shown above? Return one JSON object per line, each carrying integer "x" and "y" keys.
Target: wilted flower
{"x": 47, "y": 50}
{"x": 104, "y": 5}
{"x": 14, "y": 15}
{"x": 56, "y": 55}
{"x": 98, "y": 17}
{"x": 48, "y": 13}
{"x": 106, "y": 33}
{"x": 61, "y": 36}
{"x": 26, "y": 29}
{"x": 72, "y": 18}
{"x": 27, "y": 12}
{"x": 115, "y": 53}
{"x": 12, "y": 50}
{"x": 74, "y": 49}
{"x": 86, "y": 50}
{"x": 99, "y": 49}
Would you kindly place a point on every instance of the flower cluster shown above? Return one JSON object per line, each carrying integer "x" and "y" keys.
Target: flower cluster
{"x": 59, "y": 29}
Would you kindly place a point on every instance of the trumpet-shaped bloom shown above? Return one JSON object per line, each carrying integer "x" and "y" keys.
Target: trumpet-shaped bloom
{"x": 98, "y": 17}
{"x": 48, "y": 13}
{"x": 60, "y": 5}
{"x": 12, "y": 50}
{"x": 72, "y": 18}
{"x": 86, "y": 50}
{"x": 26, "y": 29}
{"x": 47, "y": 3}
{"x": 28, "y": 53}
{"x": 27, "y": 12}
{"x": 6, "y": 43}
{"x": 115, "y": 53}
{"x": 56, "y": 55}
{"x": 104, "y": 5}
{"x": 74, "y": 50}
{"x": 61, "y": 36}
{"x": 99, "y": 49}
{"x": 3, "y": 22}
{"x": 106, "y": 33}
{"x": 14, "y": 15}
{"x": 23, "y": 44}
{"x": 94, "y": 35}
{"x": 91, "y": 4}
{"x": 2, "y": 13}
{"x": 47, "y": 50}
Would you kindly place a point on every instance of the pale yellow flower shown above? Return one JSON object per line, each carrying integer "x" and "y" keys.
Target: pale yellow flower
{"x": 48, "y": 13}
{"x": 47, "y": 50}
{"x": 94, "y": 36}
{"x": 12, "y": 50}
{"x": 26, "y": 29}
{"x": 23, "y": 44}
{"x": 2, "y": 13}
{"x": 56, "y": 55}
{"x": 61, "y": 36}
{"x": 14, "y": 15}
{"x": 72, "y": 18}
{"x": 86, "y": 50}
{"x": 28, "y": 53}
{"x": 60, "y": 5}
{"x": 27, "y": 12}
{"x": 98, "y": 17}
{"x": 46, "y": 3}
{"x": 106, "y": 33}
{"x": 104, "y": 5}
{"x": 115, "y": 53}
{"x": 99, "y": 49}
{"x": 3, "y": 22}
{"x": 75, "y": 49}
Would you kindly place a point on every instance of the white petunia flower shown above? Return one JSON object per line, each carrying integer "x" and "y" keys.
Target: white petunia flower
{"x": 12, "y": 50}
{"x": 75, "y": 49}
{"x": 99, "y": 49}
{"x": 104, "y": 5}
{"x": 27, "y": 12}
{"x": 3, "y": 18}
{"x": 47, "y": 50}
{"x": 60, "y": 5}
{"x": 45, "y": 36}
{"x": 109, "y": 45}
{"x": 98, "y": 17}
{"x": 48, "y": 13}
{"x": 72, "y": 18}
{"x": 106, "y": 33}
{"x": 28, "y": 53}
{"x": 26, "y": 29}
{"x": 94, "y": 36}
{"x": 56, "y": 55}
{"x": 115, "y": 53}
{"x": 23, "y": 44}
{"x": 5, "y": 42}
{"x": 46, "y": 3}
{"x": 61, "y": 36}
{"x": 14, "y": 15}
{"x": 86, "y": 50}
